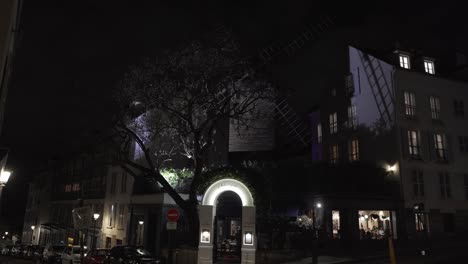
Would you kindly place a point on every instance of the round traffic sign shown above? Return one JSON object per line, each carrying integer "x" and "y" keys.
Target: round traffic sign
{"x": 172, "y": 215}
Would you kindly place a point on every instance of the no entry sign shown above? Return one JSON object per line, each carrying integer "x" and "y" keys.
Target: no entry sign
{"x": 172, "y": 215}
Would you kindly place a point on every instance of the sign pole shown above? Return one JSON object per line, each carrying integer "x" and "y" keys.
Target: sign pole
{"x": 172, "y": 217}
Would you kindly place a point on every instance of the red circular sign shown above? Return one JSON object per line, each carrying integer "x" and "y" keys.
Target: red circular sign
{"x": 172, "y": 215}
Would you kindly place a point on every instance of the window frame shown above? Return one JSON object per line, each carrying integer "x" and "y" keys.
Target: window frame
{"x": 427, "y": 69}
{"x": 417, "y": 178}
{"x": 352, "y": 117}
{"x": 444, "y": 184}
{"x": 334, "y": 153}
{"x": 440, "y": 146}
{"x": 333, "y": 120}
{"x": 354, "y": 154}
{"x": 401, "y": 57}
{"x": 410, "y": 103}
{"x": 434, "y": 102}
{"x": 414, "y": 144}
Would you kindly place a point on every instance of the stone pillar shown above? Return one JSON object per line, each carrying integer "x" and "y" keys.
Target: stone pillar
{"x": 249, "y": 238}
{"x": 205, "y": 246}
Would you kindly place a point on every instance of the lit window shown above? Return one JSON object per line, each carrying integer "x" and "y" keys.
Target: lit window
{"x": 404, "y": 61}
{"x": 429, "y": 66}
{"x": 445, "y": 191}
{"x": 334, "y": 153}
{"x": 375, "y": 224}
{"x": 418, "y": 183}
{"x": 414, "y": 143}
{"x": 354, "y": 150}
{"x": 333, "y": 123}
{"x": 319, "y": 133}
{"x": 410, "y": 104}
{"x": 68, "y": 188}
{"x": 111, "y": 215}
{"x": 440, "y": 145}
{"x": 435, "y": 107}
{"x": 352, "y": 117}
{"x": 419, "y": 220}
{"x": 463, "y": 142}
{"x": 459, "y": 108}
{"x": 336, "y": 224}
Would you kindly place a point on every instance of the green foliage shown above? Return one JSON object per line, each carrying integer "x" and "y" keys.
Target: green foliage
{"x": 176, "y": 176}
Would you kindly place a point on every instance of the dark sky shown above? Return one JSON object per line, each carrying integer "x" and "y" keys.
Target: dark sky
{"x": 72, "y": 54}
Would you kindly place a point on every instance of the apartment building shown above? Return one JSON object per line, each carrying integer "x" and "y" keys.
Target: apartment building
{"x": 398, "y": 112}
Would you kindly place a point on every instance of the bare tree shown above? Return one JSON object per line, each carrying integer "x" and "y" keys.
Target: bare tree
{"x": 172, "y": 107}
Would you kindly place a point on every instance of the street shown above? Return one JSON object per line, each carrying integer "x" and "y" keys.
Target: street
{"x": 11, "y": 260}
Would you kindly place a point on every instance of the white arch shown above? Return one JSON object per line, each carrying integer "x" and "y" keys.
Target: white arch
{"x": 217, "y": 188}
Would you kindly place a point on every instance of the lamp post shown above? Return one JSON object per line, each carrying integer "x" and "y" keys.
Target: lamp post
{"x": 140, "y": 234}
{"x": 32, "y": 233}
{"x": 315, "y": 233}
{"x": 96, "y": 217}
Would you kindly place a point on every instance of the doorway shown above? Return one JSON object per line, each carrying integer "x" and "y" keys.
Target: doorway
{"x": 228, "y": 229}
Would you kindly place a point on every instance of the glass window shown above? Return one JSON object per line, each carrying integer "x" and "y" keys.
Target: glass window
{"x": 354, "y": 150}
{"x": 352, "y": 117}
{"x": 440, "y": 145}
{"x": 419, "y": 220}
{"x": 336, "y": 224}
{"x": 459, "y": 108}
{"x": 111, "y": 215}
{"x": 463, "y": 143}
{"x": 120, "y": 219}
{"x": 435, "y": 107}
{"x": 410, "y": 104}
{"x": 444, "y": 180}
{"x": 374, "y": 224}
{"x": 418, "y": 183}
{"x": 334, "y": 153}
{"x": 333, "y": 123}
{"x": 404, "y": 61}
{"x": 429, "y": 66}
{"x": 319, "y": 133}
{"x": 414, "y": 143}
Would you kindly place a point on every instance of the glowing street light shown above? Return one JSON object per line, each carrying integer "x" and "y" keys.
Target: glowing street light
{"x": 33, "y": 227}
{"x": 4, "y": 177}
{"x": 96, "y": 216}
{"x": 6, "y": 233}
{"x": 141, "y": 222}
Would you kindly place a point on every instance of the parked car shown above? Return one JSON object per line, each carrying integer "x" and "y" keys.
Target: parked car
{"x": 52, "y": 254}
{"x": 72, "y": 255}
{"x": 6, "y": 250}
{"x": 131, "y": 255}
{"x": 97, "y": 256}
{"x": 17, "y": 251}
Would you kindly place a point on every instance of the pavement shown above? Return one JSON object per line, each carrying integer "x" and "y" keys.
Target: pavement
{"x": 10, "y": 260}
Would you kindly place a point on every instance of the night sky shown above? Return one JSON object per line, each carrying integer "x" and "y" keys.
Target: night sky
{"x": 72, "y": 54}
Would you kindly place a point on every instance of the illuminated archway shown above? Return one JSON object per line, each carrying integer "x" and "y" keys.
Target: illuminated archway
{"x": 207, "y": 213}
{"x": 221, "y": 186}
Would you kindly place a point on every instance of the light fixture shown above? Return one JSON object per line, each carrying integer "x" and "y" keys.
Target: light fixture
{"x": 392, "y": 168}
{"x": 319, "y": 205}
{"x": 248, "y": 238}
{"x": 381, "y": 213}
{"x": 32, "y": 227}
{"x": 141, "y": 222}
{"x": 96, "y": 216}
{"x": 205, "y": 236}
{"x": 6, "y": 233}
{"x": 4, "y": 177}
{"x": 366, "y": 216}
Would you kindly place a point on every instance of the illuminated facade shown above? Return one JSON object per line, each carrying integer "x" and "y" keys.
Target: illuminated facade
{"x": 400, "y": 114}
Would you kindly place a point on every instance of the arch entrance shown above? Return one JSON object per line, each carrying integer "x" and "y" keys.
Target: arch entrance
{"x": 207, "y": 214}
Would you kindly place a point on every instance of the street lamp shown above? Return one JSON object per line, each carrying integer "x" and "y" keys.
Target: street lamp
{"x": 315, "y": 233}
{"x": 140, "y": 234}
{"x": 32, "y": 233}
{"x": 4, "y": 177}
{"x": 6, "y": 233}
{"x": 96, "y": 217}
